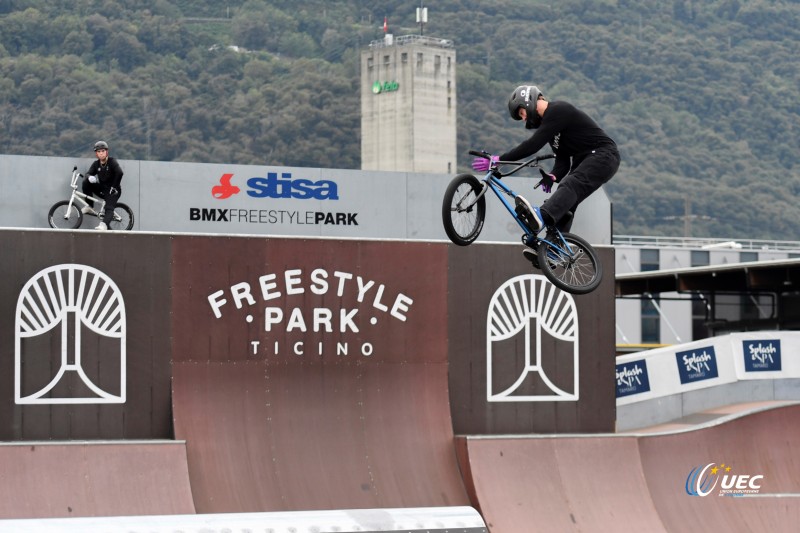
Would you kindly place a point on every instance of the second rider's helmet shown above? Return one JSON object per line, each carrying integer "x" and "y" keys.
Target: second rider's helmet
{"x": 525, "y": 96}
{"x": 100, "y": 145}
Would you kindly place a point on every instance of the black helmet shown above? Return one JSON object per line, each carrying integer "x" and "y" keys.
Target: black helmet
{"x": 100, "y": 145}
{"x": 525, "y": 96}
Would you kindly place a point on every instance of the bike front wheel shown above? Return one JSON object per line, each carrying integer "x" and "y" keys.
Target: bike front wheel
{"x": 122, "y": 219}
{"x": 572, "y": 265}
{"x": 462, "y": 214}
{"x": 64, "y": 216}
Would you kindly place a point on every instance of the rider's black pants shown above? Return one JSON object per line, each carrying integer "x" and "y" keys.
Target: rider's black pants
{"x": 99, "y": 190}
{"x": 593, "y": 171}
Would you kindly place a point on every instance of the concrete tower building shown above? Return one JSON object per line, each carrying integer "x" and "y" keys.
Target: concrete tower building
{"x": 408, "y": 105}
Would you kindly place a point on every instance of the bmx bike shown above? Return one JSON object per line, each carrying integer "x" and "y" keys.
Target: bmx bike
{"x": 68, "y": 214}
{"x": 566, "y": 259}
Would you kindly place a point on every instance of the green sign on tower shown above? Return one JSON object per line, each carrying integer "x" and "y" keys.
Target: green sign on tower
{"x": 385, "y": 87}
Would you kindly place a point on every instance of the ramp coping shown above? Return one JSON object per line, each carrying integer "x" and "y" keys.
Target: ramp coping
{"x": 667, "y": 428}
{"x": 90, "y": 442}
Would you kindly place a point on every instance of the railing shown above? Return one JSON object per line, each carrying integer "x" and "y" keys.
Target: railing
{"x": 412, "y": 39}
{"x": 705, "y": 243}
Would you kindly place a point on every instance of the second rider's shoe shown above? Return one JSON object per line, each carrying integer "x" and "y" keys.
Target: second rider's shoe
{"x": 531, "y": 255}
{"x": 88, "y": 211}
{"x": 102, "y": 226}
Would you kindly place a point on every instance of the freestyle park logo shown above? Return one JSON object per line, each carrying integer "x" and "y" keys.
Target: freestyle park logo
{"x": 702, "y": 481}
{"x": 273, "y": 187}
{"x": 531, "y": 308}
{"x": 283, "y": 303}
{"x": 84, "y": 308}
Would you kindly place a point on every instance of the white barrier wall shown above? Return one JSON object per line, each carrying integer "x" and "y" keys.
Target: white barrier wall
{"x": 707, "y": 363}
{"x": 273, "y": 200}
{"x": 667, "y": 383}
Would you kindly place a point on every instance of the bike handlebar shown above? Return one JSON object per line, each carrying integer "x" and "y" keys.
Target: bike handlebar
{"x": 533, "y": 161}
{"x": 75, "y": 176}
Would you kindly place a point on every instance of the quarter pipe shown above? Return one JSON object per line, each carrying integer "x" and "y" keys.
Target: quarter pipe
{"x": 641, "y": 481}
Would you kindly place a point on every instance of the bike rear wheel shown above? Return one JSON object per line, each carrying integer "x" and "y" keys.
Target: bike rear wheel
{"x": 462, "y": 216}
{"x": 122, "y": 219}
{"x": 64, "y": 216}
{"x": 575, "y": 269}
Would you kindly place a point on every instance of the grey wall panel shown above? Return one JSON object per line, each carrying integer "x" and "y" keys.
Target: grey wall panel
{"x": 268, "y": 200}
{"x": 29, "y": 185}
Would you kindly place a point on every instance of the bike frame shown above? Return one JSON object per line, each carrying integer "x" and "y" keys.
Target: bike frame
{"x": 492, "y": 181}
{"x": 82, "y": 197}
{"x": 498, "y": 187}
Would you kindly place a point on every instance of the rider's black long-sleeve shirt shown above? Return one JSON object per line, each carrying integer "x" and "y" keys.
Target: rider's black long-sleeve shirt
{"x": 109, "y": 175}
{"x": 570, "y": 132}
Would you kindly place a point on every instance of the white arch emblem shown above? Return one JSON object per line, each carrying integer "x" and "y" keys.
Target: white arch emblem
{"x": 57, "y": 297}
{"x": 517, "y": 304}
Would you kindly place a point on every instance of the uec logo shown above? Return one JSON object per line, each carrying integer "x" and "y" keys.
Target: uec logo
{"x": 702, "y": 481}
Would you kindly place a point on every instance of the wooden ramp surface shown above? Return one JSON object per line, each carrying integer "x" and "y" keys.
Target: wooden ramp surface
{"x": 638, "y": 482}
{"x": 316, "y": 436}
{"x": 47, "y": 480}
{"x": 300, "y": 424}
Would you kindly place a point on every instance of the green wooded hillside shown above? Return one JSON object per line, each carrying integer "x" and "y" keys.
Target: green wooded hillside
{"x": 702, "y": 97}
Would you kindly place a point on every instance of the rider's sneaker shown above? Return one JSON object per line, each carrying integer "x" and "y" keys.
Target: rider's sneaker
{"x": 88, "y": 211}
{"x": 529, "y": 214}
{"x": 537, "y": 216}
{"x": 531, "y": 255}
{"x": 101, "y": 226}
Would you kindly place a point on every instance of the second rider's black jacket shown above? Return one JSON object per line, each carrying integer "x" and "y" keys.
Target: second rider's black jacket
{"x": 109, "y": 175}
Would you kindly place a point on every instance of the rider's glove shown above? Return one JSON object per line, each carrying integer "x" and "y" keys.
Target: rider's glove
{"x": 546, "y": 183}
{"x": 92, "y": 179}
{"x": 481, "y": 164}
